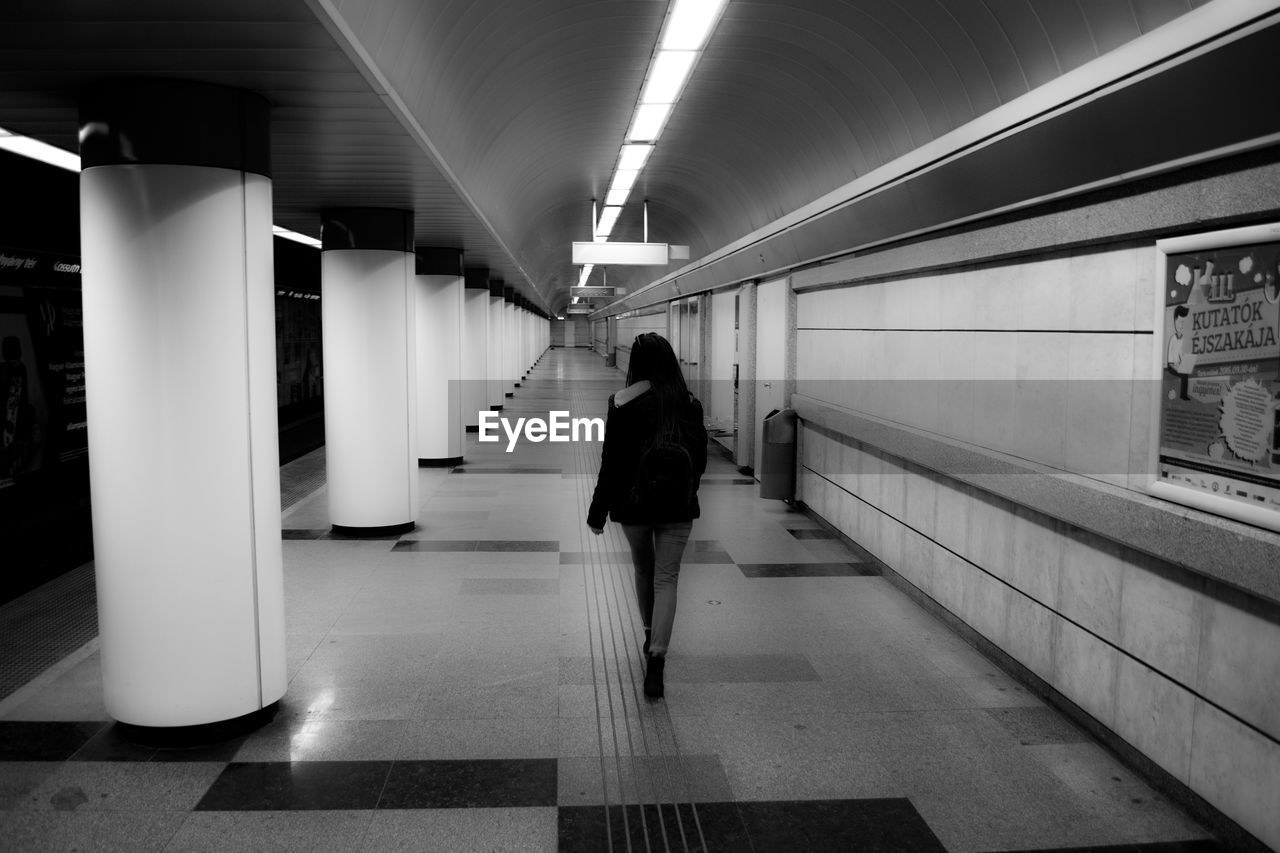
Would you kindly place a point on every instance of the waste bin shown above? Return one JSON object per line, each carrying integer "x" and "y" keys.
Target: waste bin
{"x": 778, "y": 456}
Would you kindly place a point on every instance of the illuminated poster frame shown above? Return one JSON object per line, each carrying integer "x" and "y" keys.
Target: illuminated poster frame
{"x": 1215, "y": 427}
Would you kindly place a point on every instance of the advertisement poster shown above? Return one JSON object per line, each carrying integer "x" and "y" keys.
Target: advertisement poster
{"x": 298, "y": 348}
{"x": 42, "y": 401}
{"x": 1218, "y": 349}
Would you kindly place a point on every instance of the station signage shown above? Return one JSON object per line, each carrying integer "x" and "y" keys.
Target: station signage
{"x": 579, "y": 309}
{"x": 592, "y": 292}
{"x": 620, "y": 254}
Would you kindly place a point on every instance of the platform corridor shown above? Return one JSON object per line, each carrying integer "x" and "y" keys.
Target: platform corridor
{"x": 475, "y": 685}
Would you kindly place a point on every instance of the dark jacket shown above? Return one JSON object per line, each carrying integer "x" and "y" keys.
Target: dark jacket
{"x": 628, "y": 430}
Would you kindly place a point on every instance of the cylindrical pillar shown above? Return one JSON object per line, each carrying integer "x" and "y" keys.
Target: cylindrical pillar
{"x": 611, "y": 342}
{"x": 179, "y": 339}
{"x": 521, "y": 345}
{"x": 496, "y": 348}
{"x": 510, "y": 355}
{"x": 744, "y": 452}
{"x": 439, "y": 348}
{"x": 529, "y": 357}
{"x": 370, "y": 385}
{"x": 523, "y": 321}
{"x": 475, "y": 347}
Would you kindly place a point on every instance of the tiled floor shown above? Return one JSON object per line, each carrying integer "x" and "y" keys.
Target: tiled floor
{"x": 475, "y": 685}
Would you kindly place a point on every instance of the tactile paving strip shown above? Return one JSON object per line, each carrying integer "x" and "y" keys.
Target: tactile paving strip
{"x": 42, "y": 627}
{"x": 301, "y": 477}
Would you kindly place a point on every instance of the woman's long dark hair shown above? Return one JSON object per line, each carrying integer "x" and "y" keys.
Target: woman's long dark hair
{"x": 652, "y": 358}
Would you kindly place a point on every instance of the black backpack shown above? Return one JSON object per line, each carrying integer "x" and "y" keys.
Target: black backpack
{"x": 665, "y": 480}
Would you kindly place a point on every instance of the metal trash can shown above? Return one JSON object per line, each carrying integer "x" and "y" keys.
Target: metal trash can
{"x": 778, "y": 456}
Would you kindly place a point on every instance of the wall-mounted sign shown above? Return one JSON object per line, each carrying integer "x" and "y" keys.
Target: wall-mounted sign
{"x": 36, "y": 263}
{"x": 593, "y": 291}
{"x": 621, "y": 254}
{"x": 1215, "y": 440}
{"x": 580, "y": 309}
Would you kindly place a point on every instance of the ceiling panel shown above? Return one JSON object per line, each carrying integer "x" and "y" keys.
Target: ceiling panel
{"x": 522, "y": 104}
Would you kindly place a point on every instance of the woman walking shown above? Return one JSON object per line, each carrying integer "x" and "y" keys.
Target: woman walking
{"x": 655, "y": 450}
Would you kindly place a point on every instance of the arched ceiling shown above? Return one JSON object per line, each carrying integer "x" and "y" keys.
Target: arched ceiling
{"x": 528, "y": 100}
{"x": 498, "y": 121}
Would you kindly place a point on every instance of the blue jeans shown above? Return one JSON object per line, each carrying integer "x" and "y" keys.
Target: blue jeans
{"x": 656, "y": 550}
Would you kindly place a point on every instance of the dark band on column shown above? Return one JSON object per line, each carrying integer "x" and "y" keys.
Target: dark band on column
{"x": 495, "y": 288}
{"x": 366, "y": 228}
{"x": 443, "y": 461}
{"x": 509, "y": 294}
{"x": 431, "y": 260}
{"x": 477, "y": 278}
{"x": 175, "y": 122}
{"x": 202, "y": 734}
{"x": 387, "y": 530}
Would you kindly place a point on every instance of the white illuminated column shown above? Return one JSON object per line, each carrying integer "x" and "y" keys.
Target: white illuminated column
{"x": 496, "y": 349}
{"x": 370, "y": 383}
{"x": 510, "y": 345}
{"x": 439, "y": 348}
{"x": 179, "y": 339}
{"x": 475, "y": 347}
{"x": 521, "y": 342}
{"x": 526, "y": 335}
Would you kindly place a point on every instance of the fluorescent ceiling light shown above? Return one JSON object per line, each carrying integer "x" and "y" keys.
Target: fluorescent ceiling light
{"x": 624, "y": 179}
{"x": 618, "y": 196}
{"x": 667, "y": 75}
{"x": 607, "y": 220}
{"x": 34, "y": 149}
{"x": 634, "y": 156}
{"x": 25, "y": 146}
{"x": 648, "y": 122}
{"x": 689, "y": 23}
{"x": 586, "y": 274}
{"x": 295, "y": 236}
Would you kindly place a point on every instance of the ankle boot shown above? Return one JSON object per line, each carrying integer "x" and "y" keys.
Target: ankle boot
{"x": 653, "y": 676}
{"x": 646, "y": 641}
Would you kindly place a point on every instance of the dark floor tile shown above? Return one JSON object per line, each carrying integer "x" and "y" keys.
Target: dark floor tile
{"x": 296, "y": 785}
{"x": 491, "y": 783}
{"x": 303, "y": 534}
{"x": 1199, "y": 846}
{"x": 435, "y": 545}
{"x": 219, "y": 752}
{"x": 45, "y": 741}
{"x": 736, "y": 481}
{"x": 807, "y": 570}
{"x": 701, "y": 545}
{"x": 350, "y": 537}
{"x": 110, "y": 745}
{"x": 812, "y": 533}
{"x": 707, "y": 558}
{"x": 815, "y": 826}
{"x": 1036, "y": 726}
{"x": 686, "y": 827}
{"x": 505, "y": 469}
{"x": 518, "y": 545}
{"x": 579, "y": 558}
{"x": 113, "y": 744}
